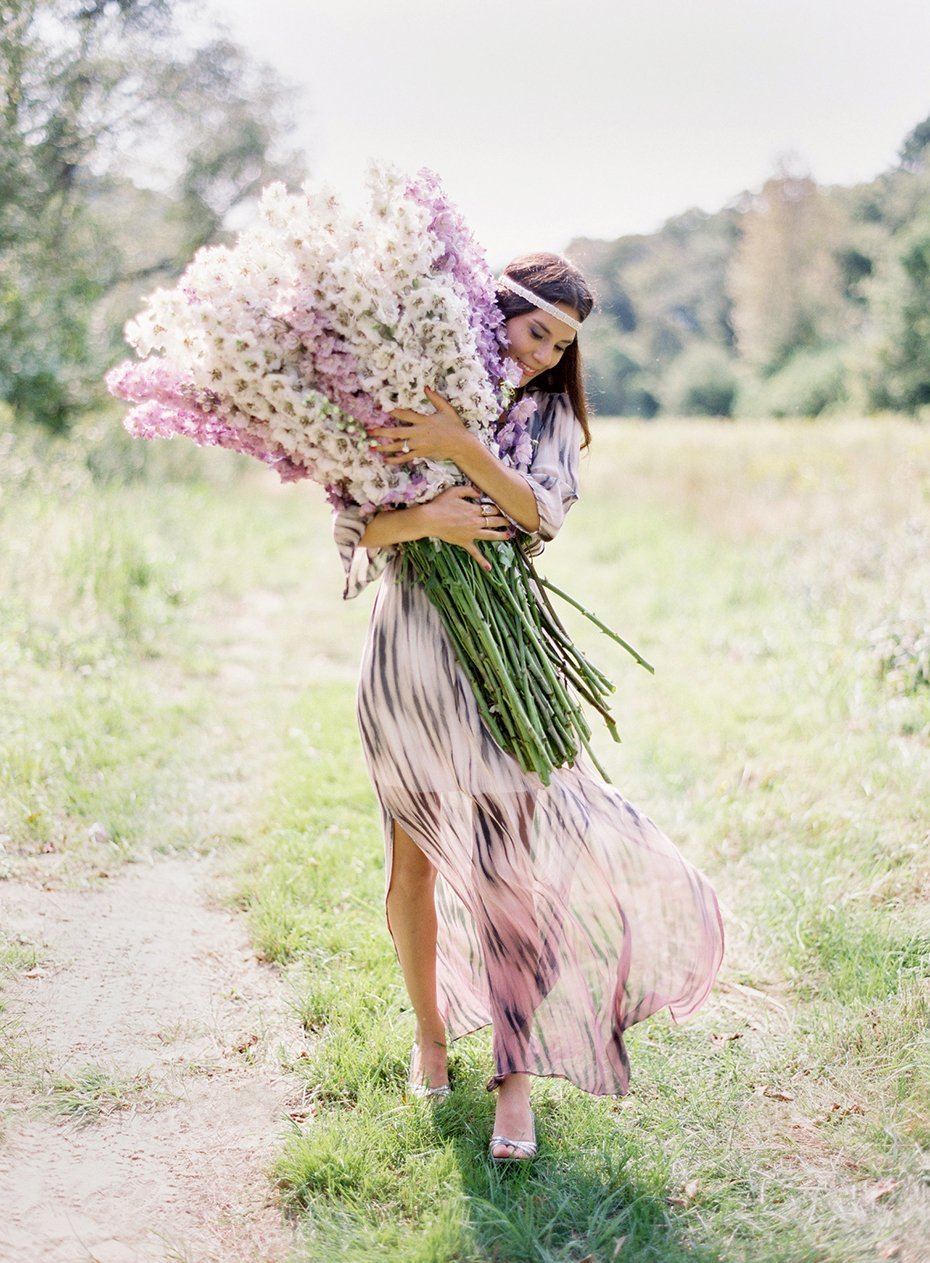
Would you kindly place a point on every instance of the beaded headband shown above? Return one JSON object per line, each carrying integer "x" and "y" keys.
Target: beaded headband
{"x": 509, "y": 283}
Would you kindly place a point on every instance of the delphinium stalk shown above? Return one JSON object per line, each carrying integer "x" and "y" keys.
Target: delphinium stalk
{"x": 526, "y": 673}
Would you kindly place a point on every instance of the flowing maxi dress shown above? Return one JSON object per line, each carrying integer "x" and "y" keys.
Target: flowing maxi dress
{"x": 564, "y": 914}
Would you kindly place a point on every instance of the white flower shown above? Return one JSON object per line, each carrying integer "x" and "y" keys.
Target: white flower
{"x": 229, "y": 328}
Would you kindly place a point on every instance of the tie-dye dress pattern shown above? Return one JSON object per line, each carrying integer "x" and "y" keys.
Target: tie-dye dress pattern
{"x": 564, "y": 914}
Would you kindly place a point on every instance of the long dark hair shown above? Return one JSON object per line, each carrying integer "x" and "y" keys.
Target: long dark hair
{"x": 558, "y": 281}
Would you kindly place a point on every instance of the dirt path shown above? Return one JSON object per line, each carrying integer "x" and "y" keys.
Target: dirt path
{"x": 143, "y": 1063}
{"x": 149, "y": 1009}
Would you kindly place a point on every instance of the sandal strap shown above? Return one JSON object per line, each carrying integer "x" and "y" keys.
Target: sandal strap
{"x": 420, "y": 1089}
{"x": 529, "y": 1145}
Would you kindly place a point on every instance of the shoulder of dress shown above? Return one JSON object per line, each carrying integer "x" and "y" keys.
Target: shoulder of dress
{"x": 544, "y": 397}
{"x": 561, "y": 417}
{"x": 549, "y": 403}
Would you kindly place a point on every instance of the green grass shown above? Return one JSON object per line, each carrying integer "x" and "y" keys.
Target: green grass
{"x": 93, "y": 1092}
{"x": 121, "y": 604}
{"x": 778, "y": 576}
{"x": 784, "y": 758}
{"x": 712, "y": 1156}
{"x": 16, "y": 955}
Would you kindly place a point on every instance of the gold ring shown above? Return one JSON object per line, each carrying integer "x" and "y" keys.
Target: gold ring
{"x": 487, "y": 510}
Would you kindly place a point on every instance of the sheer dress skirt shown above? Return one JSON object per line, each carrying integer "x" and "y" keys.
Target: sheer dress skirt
{"x": 564, "y": 914}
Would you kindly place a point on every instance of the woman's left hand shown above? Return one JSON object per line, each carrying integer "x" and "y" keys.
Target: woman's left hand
{"x": 436, "y": 436}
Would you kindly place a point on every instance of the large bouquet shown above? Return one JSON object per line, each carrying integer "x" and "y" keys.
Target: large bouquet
{"x": 297, "y": 340}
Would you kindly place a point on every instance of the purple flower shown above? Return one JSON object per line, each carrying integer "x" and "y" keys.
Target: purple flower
{"x": 328, "y": 365}
{"x": 514, "y": 442}
{"x": 465, "y": 260}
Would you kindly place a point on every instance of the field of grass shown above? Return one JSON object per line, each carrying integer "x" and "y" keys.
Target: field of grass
{"x": 778, "y": 576}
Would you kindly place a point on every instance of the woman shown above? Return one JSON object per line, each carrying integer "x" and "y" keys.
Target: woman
{"x": 557, "y": 914}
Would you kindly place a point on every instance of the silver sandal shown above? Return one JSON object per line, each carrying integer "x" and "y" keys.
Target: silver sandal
{"x": 530, "y": 1147}
{"x": 420, "y": 1089}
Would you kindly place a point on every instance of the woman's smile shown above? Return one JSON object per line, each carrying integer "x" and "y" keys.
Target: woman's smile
{"x": 537, "y": 341}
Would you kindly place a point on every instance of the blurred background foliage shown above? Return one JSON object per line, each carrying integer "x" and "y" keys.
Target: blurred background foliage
{"x": 124, "y": 147}
{"x": 795, "y": 300}
{"x": 122, "y": 150}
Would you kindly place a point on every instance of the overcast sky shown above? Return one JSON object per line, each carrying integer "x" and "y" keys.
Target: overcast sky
{"x": 550, "y": 119}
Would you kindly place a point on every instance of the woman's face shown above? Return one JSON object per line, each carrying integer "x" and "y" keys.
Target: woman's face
{"x": 538, "y": 341}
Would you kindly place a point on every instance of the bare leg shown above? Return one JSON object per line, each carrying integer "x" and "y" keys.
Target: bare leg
{"x": 513, "y": 1116}
{"x": 412, "y": 914}
{"x": 411, "y": 908}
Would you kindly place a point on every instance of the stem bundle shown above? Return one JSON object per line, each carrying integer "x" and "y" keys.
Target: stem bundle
{"x": 526, "y": 673}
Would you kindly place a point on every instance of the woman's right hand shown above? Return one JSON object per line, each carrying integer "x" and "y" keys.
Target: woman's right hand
{"x": 455, "y": 516}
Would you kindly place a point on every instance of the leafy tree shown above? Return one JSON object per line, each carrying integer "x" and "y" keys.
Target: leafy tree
{"x": 785, "y": 280}
{"x": 603, "y": 264}
{"x": 619, "y": 382}
{"x": 915, "y": 151}
{"x": 811, "y": 382}
{"x": 90, "y": 89}
{"x": 678, "y": 278}
{"x": 901, "y": 301}
{"x": 702, "y": 382}
{"x": 658, "y": 295}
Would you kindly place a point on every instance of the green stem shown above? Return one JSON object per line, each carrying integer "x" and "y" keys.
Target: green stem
{"x": 524, "y": 670}
{"x": 596, "y": 621}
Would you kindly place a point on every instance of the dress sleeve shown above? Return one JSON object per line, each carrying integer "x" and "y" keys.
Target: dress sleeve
{"x": 553, "y": 472}
{"x": 362, "y": 565}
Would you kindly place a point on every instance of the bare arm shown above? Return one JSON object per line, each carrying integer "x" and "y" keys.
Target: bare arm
{"x": 509, "y": 490}
{"x": 443, "y": 436}
{"x": 454, "y": 516}
{"x": 394, "y": 526}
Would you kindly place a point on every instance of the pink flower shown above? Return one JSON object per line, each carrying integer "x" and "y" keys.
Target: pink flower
{"x": 168, "y": 405}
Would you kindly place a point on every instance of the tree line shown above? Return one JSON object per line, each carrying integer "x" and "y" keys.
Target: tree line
{"x": 798, "y": 299}
{"x": 124, "y": 148}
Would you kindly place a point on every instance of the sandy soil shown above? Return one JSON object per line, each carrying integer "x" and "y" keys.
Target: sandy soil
{"x": 148, "y": 980}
